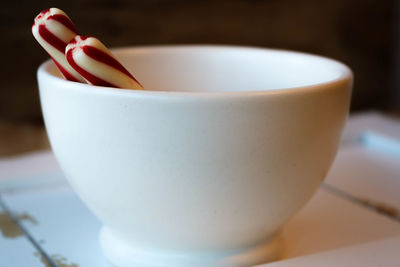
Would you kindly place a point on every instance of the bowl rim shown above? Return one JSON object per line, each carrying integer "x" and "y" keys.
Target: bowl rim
{"x": 346, "y": 76}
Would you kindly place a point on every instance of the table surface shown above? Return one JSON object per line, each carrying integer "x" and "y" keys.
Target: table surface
{"x": 353, "y": 220}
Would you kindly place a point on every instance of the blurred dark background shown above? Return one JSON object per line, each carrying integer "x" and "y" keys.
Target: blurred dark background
{"x": 361, "y": 33}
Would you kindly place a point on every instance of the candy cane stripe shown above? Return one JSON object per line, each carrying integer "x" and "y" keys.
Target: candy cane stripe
{"x": 64, "y": 72}
{"x": 65, "y": 21}
{"x": 92, "y": 79}
{"x": 105, "y": 58}
{"x": 50, "y": 38}
{"x": 53, "y": 30}
{"x": 91, "y": 59}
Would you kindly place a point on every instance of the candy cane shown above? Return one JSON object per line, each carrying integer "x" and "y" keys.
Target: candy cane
{"x": 94, "y": 62}
{"x": 53, "y": 29}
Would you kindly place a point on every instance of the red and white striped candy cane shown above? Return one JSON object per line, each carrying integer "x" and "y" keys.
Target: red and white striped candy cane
{"x": 53, "y": 29}
{"x": 94, "y": 62}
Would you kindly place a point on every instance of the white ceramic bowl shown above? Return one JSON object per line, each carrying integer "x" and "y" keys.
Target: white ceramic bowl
{"x": 205, "y": 166}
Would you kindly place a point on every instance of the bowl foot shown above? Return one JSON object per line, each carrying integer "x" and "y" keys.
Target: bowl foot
{"x": 122, "y": 254}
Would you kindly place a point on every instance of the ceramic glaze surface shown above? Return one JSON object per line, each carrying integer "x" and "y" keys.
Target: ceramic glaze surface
{"x": 210, "y": 169}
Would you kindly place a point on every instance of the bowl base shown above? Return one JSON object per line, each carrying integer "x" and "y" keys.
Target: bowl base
{"x": 122, "y": 254}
